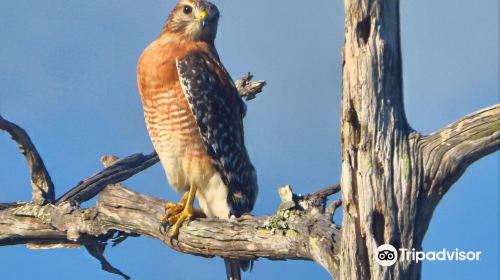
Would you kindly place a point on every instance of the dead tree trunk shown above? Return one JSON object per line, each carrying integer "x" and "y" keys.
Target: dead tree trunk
{"x": 392, "y": 179}
{"x": 392, "y": 176}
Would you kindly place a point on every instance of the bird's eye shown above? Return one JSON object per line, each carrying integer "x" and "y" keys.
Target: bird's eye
{"x": 187, "y": 9}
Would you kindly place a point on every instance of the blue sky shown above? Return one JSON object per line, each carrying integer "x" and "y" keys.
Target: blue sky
{"x": 67, "y": 71}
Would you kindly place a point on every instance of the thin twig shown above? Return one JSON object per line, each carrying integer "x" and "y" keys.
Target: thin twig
{"x": 326, "y": 192}
{"x": 247, "y": 88}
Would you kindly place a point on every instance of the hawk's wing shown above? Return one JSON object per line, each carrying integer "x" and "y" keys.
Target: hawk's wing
{"x": 219, "y": 110}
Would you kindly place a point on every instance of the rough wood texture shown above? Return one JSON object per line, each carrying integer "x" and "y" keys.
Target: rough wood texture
{"x": 304, "y": 231}
{"x": 448, "y": 152}
{"x": 392, "y": 177}
{"x": 41, "y": 184}
{"x": 303, "y": 235}
{"x": 249, "y": 89}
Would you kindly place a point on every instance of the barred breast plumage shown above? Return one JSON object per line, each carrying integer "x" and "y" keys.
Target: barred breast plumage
{"x": 194, "y": 115}
{"x": 170, "y": 122}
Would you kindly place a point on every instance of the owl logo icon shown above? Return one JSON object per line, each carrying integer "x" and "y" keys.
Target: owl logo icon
{"x": 386, "y": 255}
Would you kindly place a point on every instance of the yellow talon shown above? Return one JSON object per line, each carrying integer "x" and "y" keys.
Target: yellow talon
{"x": 172, "y": 209}
{"x": 169, "y": 205}
{"x": 177, "y": 214}
{"x": 177, "y": 221}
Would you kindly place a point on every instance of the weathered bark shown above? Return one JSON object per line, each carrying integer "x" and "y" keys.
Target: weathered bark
{"x": 392, "y": 177}
{"x": 291, "y": 234}
{"x": 41, "y": 184}
{"x": 301, "y": 229}
{"x": 448, "y": 152}
{"x": 120, "y": 209}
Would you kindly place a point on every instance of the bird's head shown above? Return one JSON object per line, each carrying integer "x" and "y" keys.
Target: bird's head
{"x": 194, "y": 20}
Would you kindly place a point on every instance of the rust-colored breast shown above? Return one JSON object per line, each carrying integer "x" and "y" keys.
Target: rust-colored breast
{"x": 170, "y": 122}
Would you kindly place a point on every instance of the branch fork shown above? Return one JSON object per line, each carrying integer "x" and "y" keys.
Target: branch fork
{"x": 120, "y": 213}
{"x": 302, "y": 227}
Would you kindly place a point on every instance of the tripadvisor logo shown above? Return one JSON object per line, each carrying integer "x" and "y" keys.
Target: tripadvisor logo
{"x": 387, "y": 255}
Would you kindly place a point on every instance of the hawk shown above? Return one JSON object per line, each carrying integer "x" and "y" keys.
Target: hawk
{"x": 194, "y": 116}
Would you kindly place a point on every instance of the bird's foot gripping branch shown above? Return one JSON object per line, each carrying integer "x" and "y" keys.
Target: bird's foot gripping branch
{"x": 302, "y": 228}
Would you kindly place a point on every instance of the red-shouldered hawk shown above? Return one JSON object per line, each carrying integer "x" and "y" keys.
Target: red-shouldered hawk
{"x": 194, "y": 116}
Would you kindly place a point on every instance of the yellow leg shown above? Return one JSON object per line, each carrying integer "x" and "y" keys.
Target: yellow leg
{"x": 172, "y": 209}
{"x": 177, "y": 220}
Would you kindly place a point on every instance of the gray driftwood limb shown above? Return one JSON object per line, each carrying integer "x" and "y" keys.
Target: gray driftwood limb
{"x": 304, "y": 235}
{"x": 392, "y": 179}
{"x": 392, "y": 176}
{"x": 448, "y": 152}
{"x": 41, "y": 184}
{"x": 247, "y": 88}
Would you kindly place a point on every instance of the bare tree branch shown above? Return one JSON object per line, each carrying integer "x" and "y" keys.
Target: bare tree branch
{"x": 125, "y": 168}
{"x": 119, "y": 212}
{"x": 247, "y": 88}
{"x": 447, "y": 153}
{"x": 316, "y": 200}
{"x": 322, "y": 194}
{"x": 306, "y": 236}
{"x": 97, "y": 251}
{"x": 388, "y": 170}
{"x": 392, "y": 178}
{"x": 41, "y": 184}
{"x": 332, "y": 208}
{"x": 117, "y": 172}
